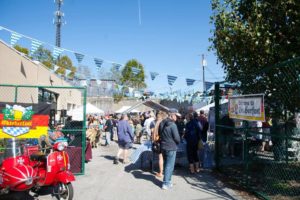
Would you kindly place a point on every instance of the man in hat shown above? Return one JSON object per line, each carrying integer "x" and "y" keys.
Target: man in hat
{"x": 169, "y": 138}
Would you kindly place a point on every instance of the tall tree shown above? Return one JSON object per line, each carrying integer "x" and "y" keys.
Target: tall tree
{"x": 44, "y": 56}
{"x": 133, "y": 80}
{"x": 65, "y": 63}
{"x": 250, "y": 35}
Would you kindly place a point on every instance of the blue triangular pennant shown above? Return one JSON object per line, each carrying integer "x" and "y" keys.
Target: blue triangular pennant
{"x": 117, "y": 66}
{"x": 208, "y": 85}
{"x": 14, "y": 37}
{"x": 35, "y": 44}
{"x": 98, "y": 63}
{"x": 79, "y": 57}
{"x": 190, "y": 82}
{"x": 171, "y": 79}
{"x": 135, "y": 70}
{"x": 153, "y": 75}
{"x": 67, "y": 72}
{"x": 56, "y": 52}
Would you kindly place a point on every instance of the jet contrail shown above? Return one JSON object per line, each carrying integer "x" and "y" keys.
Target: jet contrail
{"x": 139, "y": 6}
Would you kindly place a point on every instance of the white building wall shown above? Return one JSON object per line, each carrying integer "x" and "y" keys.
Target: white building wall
{"x": 17, "y": 69}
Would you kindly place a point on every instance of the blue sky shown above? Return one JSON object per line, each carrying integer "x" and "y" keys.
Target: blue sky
{"x": 169, "y": 40}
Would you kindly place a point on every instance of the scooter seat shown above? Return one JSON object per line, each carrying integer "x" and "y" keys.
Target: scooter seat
{"x": 38, "y": 157}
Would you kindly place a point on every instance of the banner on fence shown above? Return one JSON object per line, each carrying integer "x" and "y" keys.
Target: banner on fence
{"x": 20, "y": 122}
{"x": 247, "y": 107}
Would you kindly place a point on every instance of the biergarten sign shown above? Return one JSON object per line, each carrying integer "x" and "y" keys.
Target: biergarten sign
{"x": 247, "y": 107}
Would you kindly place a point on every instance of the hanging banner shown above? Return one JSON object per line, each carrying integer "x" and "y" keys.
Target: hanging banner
{"x": 35, "y": 44}
{"x": 67, "y": 72}
{"x": 153, "y": 75}
{"x": 171, "y": 79}
{"x": 208, "y": 85}
{"x": 135, "y": 70}
{"x": 117, "y": 66}
{"x": 56, "y": 68}
{"x": 79, "y": 57}
{"x": 20, "y": 122}
{"x": 56, "y": 52}
{"x": 190, "y": 82}
{"x": 14, "y": 37}
{"x": 247, "y": 107}
{"x": 98, "y": 63}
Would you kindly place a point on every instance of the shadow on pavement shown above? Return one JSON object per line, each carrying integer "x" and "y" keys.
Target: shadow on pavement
{"x": 108, "y": 157}
{"x": 204, "y": 182}
{"x": 139, "y": 174}
{"x": 44, "y": 191}
{"x": 17, "y": 196}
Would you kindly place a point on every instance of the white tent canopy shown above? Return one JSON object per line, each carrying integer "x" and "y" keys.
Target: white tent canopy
{"x": 207, "y": 107}
{"x": 124, "y": 108}
{"x": 77, "y": 113}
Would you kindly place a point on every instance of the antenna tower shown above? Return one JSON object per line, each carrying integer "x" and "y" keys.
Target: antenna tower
{"x": 58, "y": 21}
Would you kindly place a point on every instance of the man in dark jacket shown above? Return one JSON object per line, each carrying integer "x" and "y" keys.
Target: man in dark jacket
{"x": 108, "y": 130}
{"x": 169, "y": 138}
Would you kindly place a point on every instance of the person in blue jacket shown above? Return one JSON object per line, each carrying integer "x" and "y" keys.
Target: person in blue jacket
{"x": 125, "y": 139}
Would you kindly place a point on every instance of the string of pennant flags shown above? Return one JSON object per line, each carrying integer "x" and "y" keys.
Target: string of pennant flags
{"x": 57, "y": 51}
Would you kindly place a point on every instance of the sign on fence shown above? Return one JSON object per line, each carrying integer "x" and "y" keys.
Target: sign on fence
{"x": 20, "y": 122}
{"x": 247, "y": 107}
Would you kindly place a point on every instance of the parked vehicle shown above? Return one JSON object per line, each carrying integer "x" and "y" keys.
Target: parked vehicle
{"x": 54, "y": 170}
{"x": 25, "y": 168}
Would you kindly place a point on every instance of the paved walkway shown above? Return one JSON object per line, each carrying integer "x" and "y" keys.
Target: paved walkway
{"x": 105, "y": 181}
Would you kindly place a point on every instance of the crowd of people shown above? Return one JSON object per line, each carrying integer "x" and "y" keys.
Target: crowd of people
{"x": 167, "y": 129}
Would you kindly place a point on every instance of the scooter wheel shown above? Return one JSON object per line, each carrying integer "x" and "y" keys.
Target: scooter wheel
{"x": 65, "y": 191}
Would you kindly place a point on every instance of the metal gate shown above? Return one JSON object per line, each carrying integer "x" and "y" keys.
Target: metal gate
{"x": 54, "y": 101}
{"x": 264, "y": 159}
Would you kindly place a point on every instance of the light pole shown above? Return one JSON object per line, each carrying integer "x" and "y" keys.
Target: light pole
{"x": 204, "y": 64}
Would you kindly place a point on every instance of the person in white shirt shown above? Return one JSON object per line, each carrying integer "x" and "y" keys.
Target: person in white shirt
{"x": 147, "y": 124}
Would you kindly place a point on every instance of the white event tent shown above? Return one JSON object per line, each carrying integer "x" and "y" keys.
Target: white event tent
{"x": 207, "y": 107}
{"x": 77, "y": 113}
{"x": 124, "y": 108}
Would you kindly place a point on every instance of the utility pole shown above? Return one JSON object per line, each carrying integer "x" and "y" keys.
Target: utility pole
{"x": 58, "y": 21}
{"x": 203, "y": 65}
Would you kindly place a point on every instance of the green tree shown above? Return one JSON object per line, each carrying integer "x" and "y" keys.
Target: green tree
{"x": 130, "y": 79}
{"x": 22, "y": 49}
{"x": 64, "y": 62}
{"x": 251, "y": 35}
{"x": 44, "y": 56}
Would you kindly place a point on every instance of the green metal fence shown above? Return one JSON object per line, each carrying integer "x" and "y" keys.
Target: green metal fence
{"x": 54, "y": 101}
{"x": 265, "y": 160}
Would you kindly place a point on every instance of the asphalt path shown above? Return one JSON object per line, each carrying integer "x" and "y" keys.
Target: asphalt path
{"x": 105, "y": 181}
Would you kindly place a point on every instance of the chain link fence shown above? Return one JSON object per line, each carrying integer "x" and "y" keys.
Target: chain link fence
{"x": 56, "y": 102}
{"x": 264, "y": 159}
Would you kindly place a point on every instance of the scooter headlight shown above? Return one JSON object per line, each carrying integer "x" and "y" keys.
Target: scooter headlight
{"x": 61, "y": 146}
{"x": 29, "y": 181}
